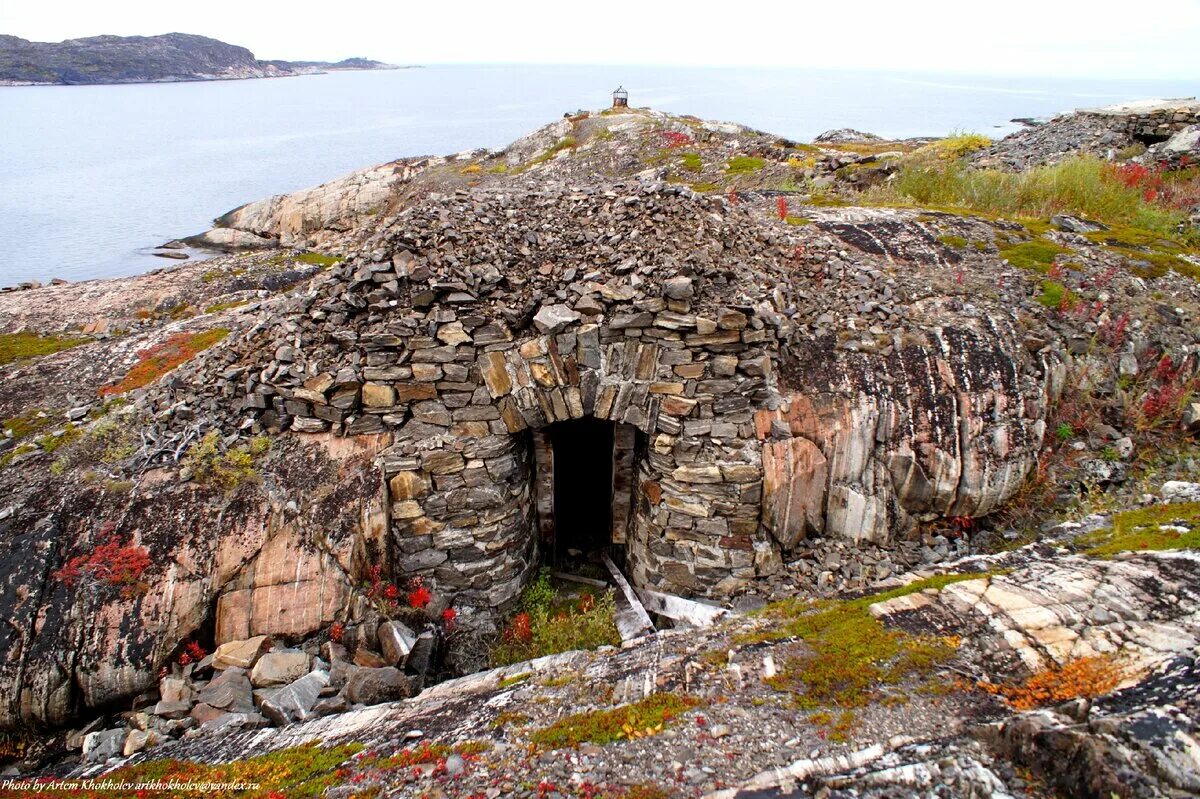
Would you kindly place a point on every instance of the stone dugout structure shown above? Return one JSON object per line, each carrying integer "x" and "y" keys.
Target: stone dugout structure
{"x": 728, "y": 430}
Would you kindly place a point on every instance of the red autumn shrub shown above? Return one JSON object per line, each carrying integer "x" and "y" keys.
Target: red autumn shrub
{"x": 111, "y": 563}
{"x": 337, "y": 631}
{"x": 781, "y": 207}
{"x": 673, "y": 140}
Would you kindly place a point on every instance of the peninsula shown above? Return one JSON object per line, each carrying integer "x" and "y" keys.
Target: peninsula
{"x": 170, "y": 57}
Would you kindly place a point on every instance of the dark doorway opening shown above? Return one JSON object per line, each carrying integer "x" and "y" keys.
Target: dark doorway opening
{"x": 583, "y": 487}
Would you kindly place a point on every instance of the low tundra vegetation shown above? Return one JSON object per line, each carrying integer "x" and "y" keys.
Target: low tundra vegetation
{"x": 639, "y": 719}
{"x": 1083, "y": 185}
{"x": 19, "y": 346}
{"x": 154, "y": 362}
{"x": 849, "y": 655}
{"x": 548, "y": 623}
{"x": 211, "y": 464}
{"x": 1175, "y": 526}
{"x": 1083, "y": 678}
{"x": 301, "y": 772}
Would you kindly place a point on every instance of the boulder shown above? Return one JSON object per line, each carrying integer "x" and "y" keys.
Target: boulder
{"x": 294, "y": 701}
{"x": 279, "y": 668}
{"x": 230, "y": 690}
{"x": 100, "y": 746}
{"x": 554, "y": 318}
{"x": 373, "y": 686}
{"x": 240, "y": 654}
{"x": 137, "y": 740}
{"x": 396, "y": 641}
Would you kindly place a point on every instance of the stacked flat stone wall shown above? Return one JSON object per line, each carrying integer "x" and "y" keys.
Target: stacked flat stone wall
{"x": 464, "y": 505}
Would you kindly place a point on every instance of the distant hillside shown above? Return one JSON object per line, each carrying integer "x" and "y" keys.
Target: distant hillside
{"x": 145, "y": 59}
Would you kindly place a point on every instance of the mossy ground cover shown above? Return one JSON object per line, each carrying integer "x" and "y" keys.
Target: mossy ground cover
{"x": 1037, "y": 254}
{"x": 302, "y": 772}
{"x": 744, "y": 165}
{"x": 156, "y": 361}
{"x": 692, "y": 162}
{"x": 850, "y": 654}
{"x": 27, "y": 424}
{"x": 307, "y": 258}
{"x": 1142, "y": 530}
{"x": 18, "y": 346}
{"x": 646, "y": 717}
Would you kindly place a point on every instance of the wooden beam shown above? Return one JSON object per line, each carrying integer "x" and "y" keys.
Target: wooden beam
{"x": 631, "y": 618}
{"x": 677, "y": 608}
{"x": 575, "y": 578}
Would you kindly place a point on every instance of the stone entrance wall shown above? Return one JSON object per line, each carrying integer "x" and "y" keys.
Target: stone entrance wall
{"x": 461, "y": 475}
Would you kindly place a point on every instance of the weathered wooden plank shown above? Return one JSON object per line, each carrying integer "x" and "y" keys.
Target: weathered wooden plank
{"x": 576, "y": 578}
{"x": 631, "y": 618}
{"x": 678, "y": 608}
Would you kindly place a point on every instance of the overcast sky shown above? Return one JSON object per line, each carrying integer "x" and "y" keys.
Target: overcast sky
{"x": 1098, "y": 38}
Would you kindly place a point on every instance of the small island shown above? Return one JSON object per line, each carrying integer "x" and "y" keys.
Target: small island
{"x": 170, "y": 57}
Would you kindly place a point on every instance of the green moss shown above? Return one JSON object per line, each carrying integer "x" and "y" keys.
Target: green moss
{"x": 797, "y": 220}
{"x": 499, "y": 169}
{"x": 20, "y": 449}
{"x": 18, "y": 346}
{"x": 646, "y": 717}
{"x": 1141, "y": 529}
{"x": 516, "y": 679}
{"x": 850, "y": 653}
{"x": 225, "y": 306}
{"x": 957, "y": 242}
{"x": 52, "y": 442}
{"x": 308, "y": 258}
{"x": 692, "y": 162}
{"x": 704, "y": 188}
{"x": 27, "y": 424}
{"x": 301, "y": 772}
{"x": 1038, "y": 254}
{"x": 744, "y": 165}
{"x": 1055, "y": 295}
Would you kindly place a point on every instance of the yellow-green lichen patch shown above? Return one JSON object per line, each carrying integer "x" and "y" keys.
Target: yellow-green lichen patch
{"x": 17, "y": 346}
{"x": 1056, "y": 296}
{"x": 850, "y": 654}
{"x": 225, "y": 306}
{"x": 636, "y": 720}
{"x": 1149, "y": 529}
{"x": 515, "y": 679}
{"x": 744, "y": 165}
{"x": 957, "y": 242}
{"x": 692, "y": 162}
{"x": 27, "y": 424}
{"x": 302, "y": 772}
{"x": 1038, "y": 254}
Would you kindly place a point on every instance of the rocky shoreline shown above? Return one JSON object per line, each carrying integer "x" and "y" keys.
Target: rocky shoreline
{"x": 909, "y": 491}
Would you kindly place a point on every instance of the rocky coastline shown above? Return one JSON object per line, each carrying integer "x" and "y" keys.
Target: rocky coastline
{"x": 905, "y": 493}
